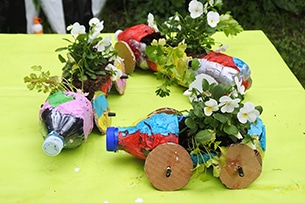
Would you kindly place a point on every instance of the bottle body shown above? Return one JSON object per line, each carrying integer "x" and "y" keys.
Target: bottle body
{"x": 66, "y": 121}
{"x": 37, "y": 27}
{"x": 140, "y": 139}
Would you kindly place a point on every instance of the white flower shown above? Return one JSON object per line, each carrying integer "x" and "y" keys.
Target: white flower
{"x": 240, "y": 87}
{"x": 104, "y": 44}
{"x": 151, "y": 22}
{"x": 213, "y": 18}
{"x": 247, "y": 113}
{"x": 239, "y": 136}
{"x": 116, "y": 73}
{"x": 96, "y": 24}
{"x": 96, "y": 27}
{"x": 211, "y": 106}
{"x": 211, "y": 2}
{"x": 77, "y": 29}
{"x": 228, "y": 104}
{"x": 195, "y": 8}
{"x": 93, "y": 21}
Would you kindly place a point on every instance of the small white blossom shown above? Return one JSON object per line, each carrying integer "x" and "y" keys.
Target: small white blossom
{"x": 104, "y": 44}
{"x": 96, "y": 24}
{"x": 77, "y": 29}
{"x": 240, "y": 87}
{"x": 239, "y": 136}
{"x": 228, "y": 104}
{"x": 96, "y": 27}
{"x": 211, "y": 106}
{"x": 213, "y": 18}
{"x": 211, "y": 2}
{"x": 195, "y": 8}
{"x": 247, "y": 113}
{"x": 151, "y": 22}
{"x": 116, "y": 73}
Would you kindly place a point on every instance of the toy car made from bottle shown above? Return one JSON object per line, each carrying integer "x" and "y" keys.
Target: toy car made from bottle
{"x": 168, "y": 165}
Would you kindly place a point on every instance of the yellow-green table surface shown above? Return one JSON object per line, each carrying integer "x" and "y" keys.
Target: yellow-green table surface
{"x": 91, "y": 174}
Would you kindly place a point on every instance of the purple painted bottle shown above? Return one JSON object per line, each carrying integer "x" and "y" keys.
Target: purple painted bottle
{"x": 66, "y": 121}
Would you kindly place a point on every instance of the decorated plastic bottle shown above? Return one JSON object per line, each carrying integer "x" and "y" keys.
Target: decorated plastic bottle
{"x": 140, "y": 139}
{"x": 37, "y": 27}
{"x": 66, "y": 121}
{"x": 224, "y": 68}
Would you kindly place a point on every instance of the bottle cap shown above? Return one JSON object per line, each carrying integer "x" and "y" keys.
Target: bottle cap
{"x": 112, "y": 139}
{"x": 53, "y": 144}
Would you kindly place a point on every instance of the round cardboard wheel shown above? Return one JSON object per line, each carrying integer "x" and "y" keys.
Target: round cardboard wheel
{"x": 127, "y": 54}
{"x": 120, "y": 84}
{"x": 168, "y": 167}
{"x": 243, "y": 166}
{"x": 102, "y": 122}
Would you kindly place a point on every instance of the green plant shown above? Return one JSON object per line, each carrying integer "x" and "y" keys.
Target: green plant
{"x": 217, "y": 119}
{"x": 187, "y": 36}
{"x": 172, "y": 65}
{"x": 197, "y": 28}
{"x": 45, "y": 82}
{"x": 88, "y": 54}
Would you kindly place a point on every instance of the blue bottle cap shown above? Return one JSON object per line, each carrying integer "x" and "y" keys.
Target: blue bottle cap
{"x": 112, "y": 139}
{"x": 53, "y": 144}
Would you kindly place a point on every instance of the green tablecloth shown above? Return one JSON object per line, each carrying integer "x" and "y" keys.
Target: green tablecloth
{"x": 91, "y": 174}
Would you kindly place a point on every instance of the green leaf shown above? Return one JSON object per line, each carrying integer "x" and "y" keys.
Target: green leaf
{"x": 198, "y": 112}
{"x": 190, "y": 123}
{"x": 220, "y": 117}
{"x": 61, "y": 58}
{"x": 218, "y": 91}
{"x": 205, "y": 84}
{"x": 204, "y": 136}
{"x": 31, "y": 86}
{"x": 33, "y": 76}
{"x": 61, "y": 49}
{"x": 260, "y": 109}
{"x": 230, "y": 129}
{"x": 195, "y": 64}
{"x": 36, "y": 68}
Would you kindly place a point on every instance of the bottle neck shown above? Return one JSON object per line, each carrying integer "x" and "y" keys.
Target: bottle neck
{"x": 53, "y": 144}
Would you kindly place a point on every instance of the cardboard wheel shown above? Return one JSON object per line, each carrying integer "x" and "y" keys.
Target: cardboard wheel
{"x": 242, "y": 167}
{"x": 126, "y": 53}
{"x": 120, "y": 84}
{"x": 168, "y": 167}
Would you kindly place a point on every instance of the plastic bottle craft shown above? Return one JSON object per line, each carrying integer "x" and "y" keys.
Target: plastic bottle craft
{"x": 223, "y": 68}
{"x": 37, "y": 27}
{"x": 168, "y": 165}
{"x": 66, "y": 121}
{"x": 132, "y": 43}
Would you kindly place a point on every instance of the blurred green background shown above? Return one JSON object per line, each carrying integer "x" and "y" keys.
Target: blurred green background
{"x": 281, "y": 20}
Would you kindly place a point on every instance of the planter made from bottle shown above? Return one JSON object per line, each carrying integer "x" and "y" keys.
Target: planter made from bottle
{"x": 168, "y": 165}
{"x": 140, "y": 139}
{"x": 138, "y": 37}
{"x": 66, "y": 121}
{"x": 224, "y": 68}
